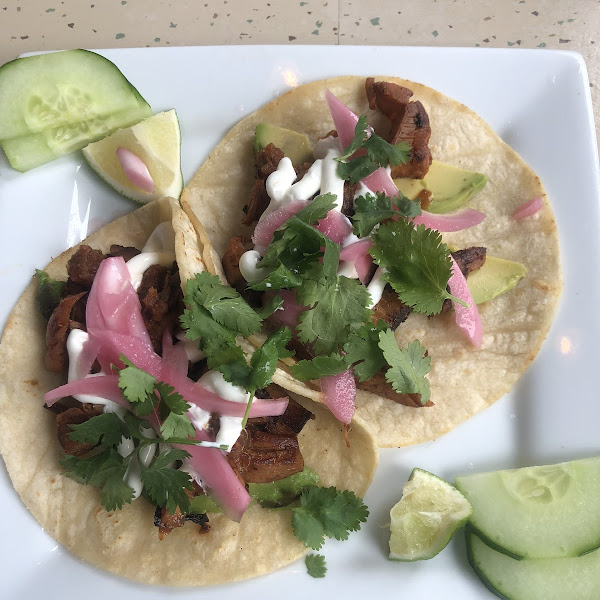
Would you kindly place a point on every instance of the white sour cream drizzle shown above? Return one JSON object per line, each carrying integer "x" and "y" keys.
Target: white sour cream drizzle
{"x": 230, "y": 427}
{"x": 375, "y": 287}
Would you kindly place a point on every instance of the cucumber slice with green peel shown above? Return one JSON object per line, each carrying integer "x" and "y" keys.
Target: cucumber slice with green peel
{"x": 571, "y": 578}
{"x": 29, "y": 151}
{"x": 46, "y": 91}
{"x": 538, "y": 512}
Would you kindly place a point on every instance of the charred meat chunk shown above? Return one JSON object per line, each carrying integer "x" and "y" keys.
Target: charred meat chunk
{"x": 161, "y": 299}
{"x": 125, "y": 252}
{"x": 409, "y": 123}
{"x": 82, "y": 267}
{"x": 390, "y": 309}
{"x": 378, "y": 385}
{"x": 268, "y": 450}
{"x": 57, "y": 331}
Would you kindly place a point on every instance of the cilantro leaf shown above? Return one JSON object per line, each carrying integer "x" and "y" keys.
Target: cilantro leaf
{"x": 105, "y": 470}
{"x": 379, "y": 153}
{"x": 317, "y": 209}
{"x": 356, "y": 169}
{"x": 338, "y": 303}
{"x": 166, "y": 486}
{"x": 417, "y": 263}
{"x": 294, "y": 250}
{"x": 115, "y": 492}
{"x": 384, "y": 153}
{"x": 362, "y": 349}
{"x": 106, "y": 429}
{"x": 315, "y": 565}
{"x": 224, "y": 304}
{"x": 327, "y": 512}
{"x": 409, "y": 366}
{"x": 271, "y": 304}
{"x": 371, "y": 210}
{"x": 137, "y": 387}
{"x": 48, "y": 294}
{"x": 177, "y": 426}
{"x": 308, "y": 529}
{"x": 171, "y": 398}
{"x": 264, "y": 360}
{"x": 319, "y": 366}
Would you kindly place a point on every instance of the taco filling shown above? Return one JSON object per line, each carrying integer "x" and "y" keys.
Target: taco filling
{"x": 156, "y": 423}
{"x": 347, "y": 259}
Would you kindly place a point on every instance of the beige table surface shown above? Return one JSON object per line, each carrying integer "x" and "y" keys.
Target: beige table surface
{"x": 29, "y": 25}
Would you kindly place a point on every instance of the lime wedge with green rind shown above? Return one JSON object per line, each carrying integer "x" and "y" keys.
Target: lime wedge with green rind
{"x": 427, "y": 516}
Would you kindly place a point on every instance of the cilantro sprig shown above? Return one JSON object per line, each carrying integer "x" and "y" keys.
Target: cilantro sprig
{"x": 370, "y": 210}
{"x": 374, "y": 152}
{"x": 417, "y": 264}
{"x": 327, "y": 512}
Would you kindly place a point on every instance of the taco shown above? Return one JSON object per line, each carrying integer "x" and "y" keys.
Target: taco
{"x": 230, "y": 194}
{"x": 145, "y": 541}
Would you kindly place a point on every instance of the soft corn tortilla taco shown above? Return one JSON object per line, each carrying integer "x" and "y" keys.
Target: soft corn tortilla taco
{"x": 126, "y": 542}
{"x": 464, "y": 380}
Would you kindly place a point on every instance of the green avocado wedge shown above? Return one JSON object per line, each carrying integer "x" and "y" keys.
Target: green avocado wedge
{"x": 538, "y": 512}
{"x": 573, "y": 578}
{"x": 496, "y": 276}
{"x": 294, "y": 145}
{"x": 451, "y": 187}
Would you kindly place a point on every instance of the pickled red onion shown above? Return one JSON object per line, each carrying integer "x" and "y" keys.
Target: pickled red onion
{"x": 363, "y": 265}
{"x": 335, "y": 226}
{"x": 215, "y": 473}
{"x": 446, "y": 223}
{"x": 266, "y": 227}
{"x": 339, "y": 394}
{"x": 467, "y": 319}
{"x": 527, "y": 209}
{"x": 135, "y": 169}
{"x": 289, "y": 312}
{"x": 356, "y": 249}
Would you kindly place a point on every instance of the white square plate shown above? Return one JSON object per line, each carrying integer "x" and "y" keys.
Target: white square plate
{"x": 537, "y": 101}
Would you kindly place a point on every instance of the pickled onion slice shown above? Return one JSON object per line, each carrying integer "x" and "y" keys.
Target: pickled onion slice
{"x": 335, "y": 226}
{"x": 216, "y": 475}
{"x": 446, "y": 223}
{"x": 527, "y": 209}
{"x": 339, "y": 394}
{"x": 363, "y": 265}
{"x": 356, "y": 249}
{"x": 263, "y": 233}
{"x": 467, "y": 319}
{"x": 343, "y": 118}
{"x": 135, "y": 169}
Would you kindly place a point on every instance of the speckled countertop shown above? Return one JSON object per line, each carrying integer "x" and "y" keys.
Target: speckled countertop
{"x": 29, "y": 25}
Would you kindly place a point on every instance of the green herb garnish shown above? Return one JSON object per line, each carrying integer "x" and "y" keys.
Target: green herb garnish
{"x": 315, "y": 565}
{"x": 370, "y": 210}
{"x": 417, "y": 264}
{"x": 379, "y": 153}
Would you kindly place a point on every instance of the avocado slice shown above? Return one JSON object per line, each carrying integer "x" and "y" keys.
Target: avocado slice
{"x": 495, "y": 277}
{"x": 293, "y": 144}
{"x": 451, "y": 187}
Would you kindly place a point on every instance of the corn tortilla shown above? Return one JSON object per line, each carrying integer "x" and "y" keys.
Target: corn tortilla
{"x": 463, "y": 380}
{"x": 125, "y": 542}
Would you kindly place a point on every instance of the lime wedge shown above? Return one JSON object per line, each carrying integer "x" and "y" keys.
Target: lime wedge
{"x": 426, "y": 518}
{"x": 157, "y": 142}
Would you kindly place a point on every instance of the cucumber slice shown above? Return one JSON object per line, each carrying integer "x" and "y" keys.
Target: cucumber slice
{"x": 576, "y": 578}
{"x": 29, "y": 151}
{"x": 47, "y": 91}
{"x": 538, "y": 512}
